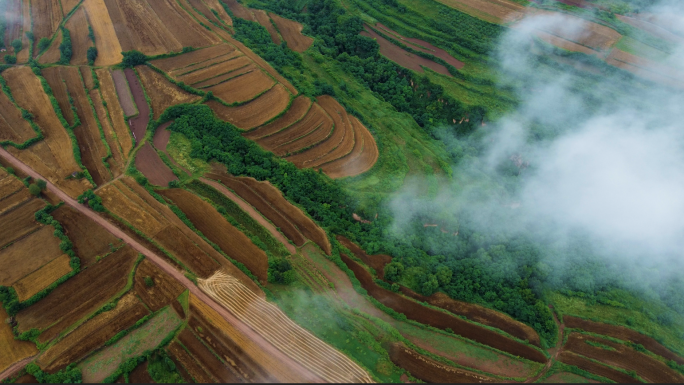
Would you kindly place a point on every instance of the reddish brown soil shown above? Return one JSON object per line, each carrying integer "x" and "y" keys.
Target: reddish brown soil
{"x": 323, "y": 132}
{"x": 361, "y": 159}
{"x": 223, "y": 78}
{"x": 239, "y": 10}
{"x": 26, "y": 379}
{"x": 256, "y": 112}
{"x": 264, "y": 65}
{"x": 377, "y": 262}
{"x": 194, "y": 75}
{"x": 184, "y": 360}
{"x": 14, "y": 200}
{"x": 592, "y": 367}
{"x": 27, "y": 255}
{"x": 292, "y": 33}
{"x": 429, "y": 370}
{"x": 163, "y": 94}
{"x": 20, "y": 221}
{"x": 243, "y": 88}
{"x": 207, "y": 358}
{"x": 299, "y": 108}
{"x": 123, "y": 93}
{"x": 59, "y": 89}
{"x": 139, "y": 375}
{"x": 422, "y": 45}
{"x": 13, "y": 23}
{"x": 161, "y": 140}
{"x": 402, "y": 57}
{"x": 185, "y": 60}
{"x": 80, "y": 41}
{"x": 184, "y": 28}
{"x": 173, "y": 240}
{"x": 623, "y": 357}
{"x": 263, "y": 19}
{"x": 150, "y": 164}
{"x": 139, "y": 123}
{"x": 312, "y": 121}
{"x": 622, "y": 333}
{"x": 13, "y": 127}
{"x": 164, "y": 291}
{"x": 438, "y": 319}
{"x": 218, "y": 230}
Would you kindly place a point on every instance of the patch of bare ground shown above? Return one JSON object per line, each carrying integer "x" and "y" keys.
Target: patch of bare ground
{"x": 154, "y": 287}
{"x": 151, "y": 165}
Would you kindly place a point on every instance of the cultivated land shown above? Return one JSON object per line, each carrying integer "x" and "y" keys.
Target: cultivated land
{"x": 12, "y": 350}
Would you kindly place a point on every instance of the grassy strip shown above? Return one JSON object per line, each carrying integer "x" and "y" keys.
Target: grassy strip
{"x": 559, "y": 367}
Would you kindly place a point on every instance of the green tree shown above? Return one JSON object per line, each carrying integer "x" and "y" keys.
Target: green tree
{"x": 92, "y": 55}
{"x": 444, "y": 274}
{"x": 149, "y": 282}
{"x": 133, "y": 58}
{"x": 43, "y": 43}
{"x": 34, "y": 189}
{"x": 430, "y": 285}
{"x": 41, "y": 184}
{"x": 11, "y": 59}
{"x": 393, "y": 271}
{"x": 16, "y": 44}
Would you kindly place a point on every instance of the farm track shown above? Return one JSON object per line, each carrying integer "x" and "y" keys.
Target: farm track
{"x": 166, "y": 267}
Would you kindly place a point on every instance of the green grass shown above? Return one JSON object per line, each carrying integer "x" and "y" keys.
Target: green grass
{"x": 179, "y": 148}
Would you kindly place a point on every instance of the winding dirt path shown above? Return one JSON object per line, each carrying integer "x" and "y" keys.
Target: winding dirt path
{"x": 166, "y": 267}
{"x": 555, "y": 351}
{"x": 14, "y": 368}
{"x": 246, "y": 207}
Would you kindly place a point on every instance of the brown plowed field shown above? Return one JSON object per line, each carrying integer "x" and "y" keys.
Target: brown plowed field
{"x": 14, "y": 200}
{"x": 245, "y": 347}
{"x": 162, "y": 93}
{"x": 28, "y": 255}
{"x": 151, "y": 165}
{"x": 564, "y": 44}
{"x": 403, "y": 57}
{"x": 12, "y": 126}
{"x": 173, "y": 240}
{"x": 188, "y": 32}
{"x": 263, "y": 206}
{"x": 256, "y": 112}
{"x": 116, "y": 113}
{"x": 429, "y": 370}
{"x": 139, "y": 123}
{"x": 78, "y": 296}
{"x": 183, "y": 359}
{"x": 424, "y": 46}
{"x": 13, "y": 23}
{"x": 33, "y": 283}
{"x": 219, "y": 59}
{"x": 93, "y": 334}
{"x": 623, "y": 357}
{"x": 377, "y": 262}
{"x": 494, "y": 11}
{"x": 595, "y": 36}
{"x": 23, "y": 55}
{"x": 139, "y": 375}
{"x": 200, "y": 7}
{"x": 165, "y": 289}
{"x": 263, "y": 19}
{"x": 9, "y": 185}
{"x": 80, "y": 42}
{"x": 120, "y": 201}
{"x": 216, "y": 80}
{"x": 19, "y": 222}
{"x": 313, "y": 119}
{"x": 123, "y": 91}
{"x": 160, "y": 141}
{"x": 239, "y": 10}
{"x": 116, "y": 161}
{"x": 592, "y": 367}
{"x": 11, "y": 349}
{"x": 207, "y": 358}
{"x": 68, "y": 5}
{"x": 218, "y": 32}
{"x": 90, "y": 240}
{"x": 87, "y": 75}
{"x": 52, "y": 54}
{"x": 46, "y": 14}
{"x": 298, "y": 109}
{"x": 264, "y": 65}
{"x": 622, "y": 333}
{"x": 361, "y": 159}
{"x": 292, "y": 33}
{"x": 88, "y": 133}
{"x": 417, "y": 312}
{"x": 218, "y": 230}
{"x": 223, "y": 16}
{"x": 190, "y": 58}
{"x": 293, "y": 214}
{"x": 106, "y": 41}
{"x": 243, "y": 88}
{"x": 226, "y": 348}
{"x": 342, "y": 130}
{"x": 320, "y": 135}
{"x": 138, "y": 28}
{"x": 55, "y": 79}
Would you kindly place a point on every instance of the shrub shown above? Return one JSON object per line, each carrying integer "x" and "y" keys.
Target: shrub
{"x": 11, "y": 59}
{"x": 149, "y": 282}
{"x": 133, "y": 58}
{"x": 65, "y": 48}
{"x": 41, "y": 183}
{"x": 34, "y": 189}
{"x": 43, "y": 44}
{"x": 92, "y": 55}
{"x": 94, "y": 201}
{"x": 16, "y": 44}
{"x": 10, "y": 170}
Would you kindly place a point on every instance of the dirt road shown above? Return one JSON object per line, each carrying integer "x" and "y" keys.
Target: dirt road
{"x": 12, "y": 370}
{"x": 166, "y": 267}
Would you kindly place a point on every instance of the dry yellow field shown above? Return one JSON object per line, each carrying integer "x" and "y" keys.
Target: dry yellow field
{"x": 12, "y": 350}
{"x": 33, "y": 283}
{"x": 28, "y": 255}
{"x": 108, "y": 46}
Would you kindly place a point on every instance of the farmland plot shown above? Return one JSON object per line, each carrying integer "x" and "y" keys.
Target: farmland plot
{"x": 243, "y": 88}
{"x": 185, "y": 29}
{"x": 20, "y": 221}
{"x": 80, "y": 42}
{"x": 9, "y": 185}
{"x": 265, "y": 21}
{"x": 13, "y": 20}
{"x": 194, "y": 57}
{"x": 185, "y": 361}
{"x": 494, "y": 11}
{"x": 116, "y": 113}
{"x": 46, "y": 14}
{"x": 313, "y": 120}
{"x": 57, "y": 83}
{"x": 106, "y": 41}
{"x": 223, "y": 15}
{"x": 124, "y": 93}
{"x": 221, "y": 57}
{"x": 239, "y": 10}
{"x": 13, "y": 200}
{"x": 292, "y": 33}
{"x": 256, "y": 112}
{"x": 193, "y": 76}
{"x": 298, "y": 109}
{"x": 162, "y": 93}
{"x": 361, "y": 159}
{"x": 164, "y": 289}
{"x": 28, "y": 255}
{"x": 150, "y": 164}
{"x": 218, "y": 32}
{"x": 207, "y": 358}
{"x": 12, "y": 126}
{"x": 595, "y": 368}
{"x": 52, "y": 54}
{"x": 40, "y": 279}
{"x": 68, "y": 5}
{"x": 23, "y": 55}
{"x": 11, "y": 349}
{"x": 53, "y": 157}
{"x": 116, "y": 161}
{"x": 264, "y": 65}
{"x": 595, "y": 36}
{"x": 422, "y": 45}
{"x": 140, "y": 122}
{"x": 216, "y": 80}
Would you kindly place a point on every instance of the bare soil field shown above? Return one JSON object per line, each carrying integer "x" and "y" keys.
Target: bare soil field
{"x": 47, "y": 15}
{"x": 243, "y": 88}
{"x": 429, "y": 370}
{"x": 416, "y": 311}
{"x": 403, "y": 57}
{"x": 361, "y": 159}
{"x": 12, "y": 126}
{"x": 28, "y": 255}
{"x": 183, "y": 28}
{"x": 565, "y": 44}
{"x": 422, "y": 45}
{"x": 202, "y": 8}
{"x": 264, "y": 65}
{"x": 313, "y": 119}
{"x": 151, "y": 165}
{"x": 162, "y": 93}
{"x": 256, "y": 112}
{"x": 623, "y": 357}
{"x": 160, "y": 141}
{"x": 239, "y": 10}
{"x": 26, "y": 379}
{"x": 92, "y": 147}
{"x": 262, "y": 18}
{"x": 23, "y": 55}
{"x": 79, "y": 296}
{"x": 55, "y": 79}
{"x": 116, "y": 113}
{"x": 93, "y": 334}
{"x": 262, "y": 206}
{"x": 646, "y": 68}
{"x": 116, "y": 161}
{"x": 292, "y": 33}
{"x": 124, "y": 93}
{"x": 198, "y": 350}
{"x": 223, "y": 15}
{"x": 19, "y": 222}
{"x": 14, "y": 200}
{"x": 214, "y": 81}
{"x": 218, "y": 59}
{"x": 340, "y": 143}
{"x": 218, "y": 230}
{"x": 494, "y": 11}
{"x": 45, "y": 276}
{"x": 184, "y": 360}
{"x": 176, "y": 63}
{"x": 139, "y": 375}
{"x": 193, "y": 75}
{"x": 198, "y": 261}
{"x": 80, "y": 42}
{"x": 298, "y": 109}
{"x": 305, "y": 144}
{"x": 242, "y": 346}
{"x": 139, "y": 123}
{"x": 68, "y": 5}
{"x": 377, "y": 262}
{"x": 218, "y": 32}
{"x": 165, "y": 289}
{"x": 90, "y": 240}
{"x": 52, "y": 157}
{"x": 106, "y": 41}
{"x": 622, "y": 333}
{"x": 13, "y": 22}
{"x": 12, "y": 350}
{"x": 9, "y": 185}
{"x": 592, "y": 367}
{"x": 118, "y": 200}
